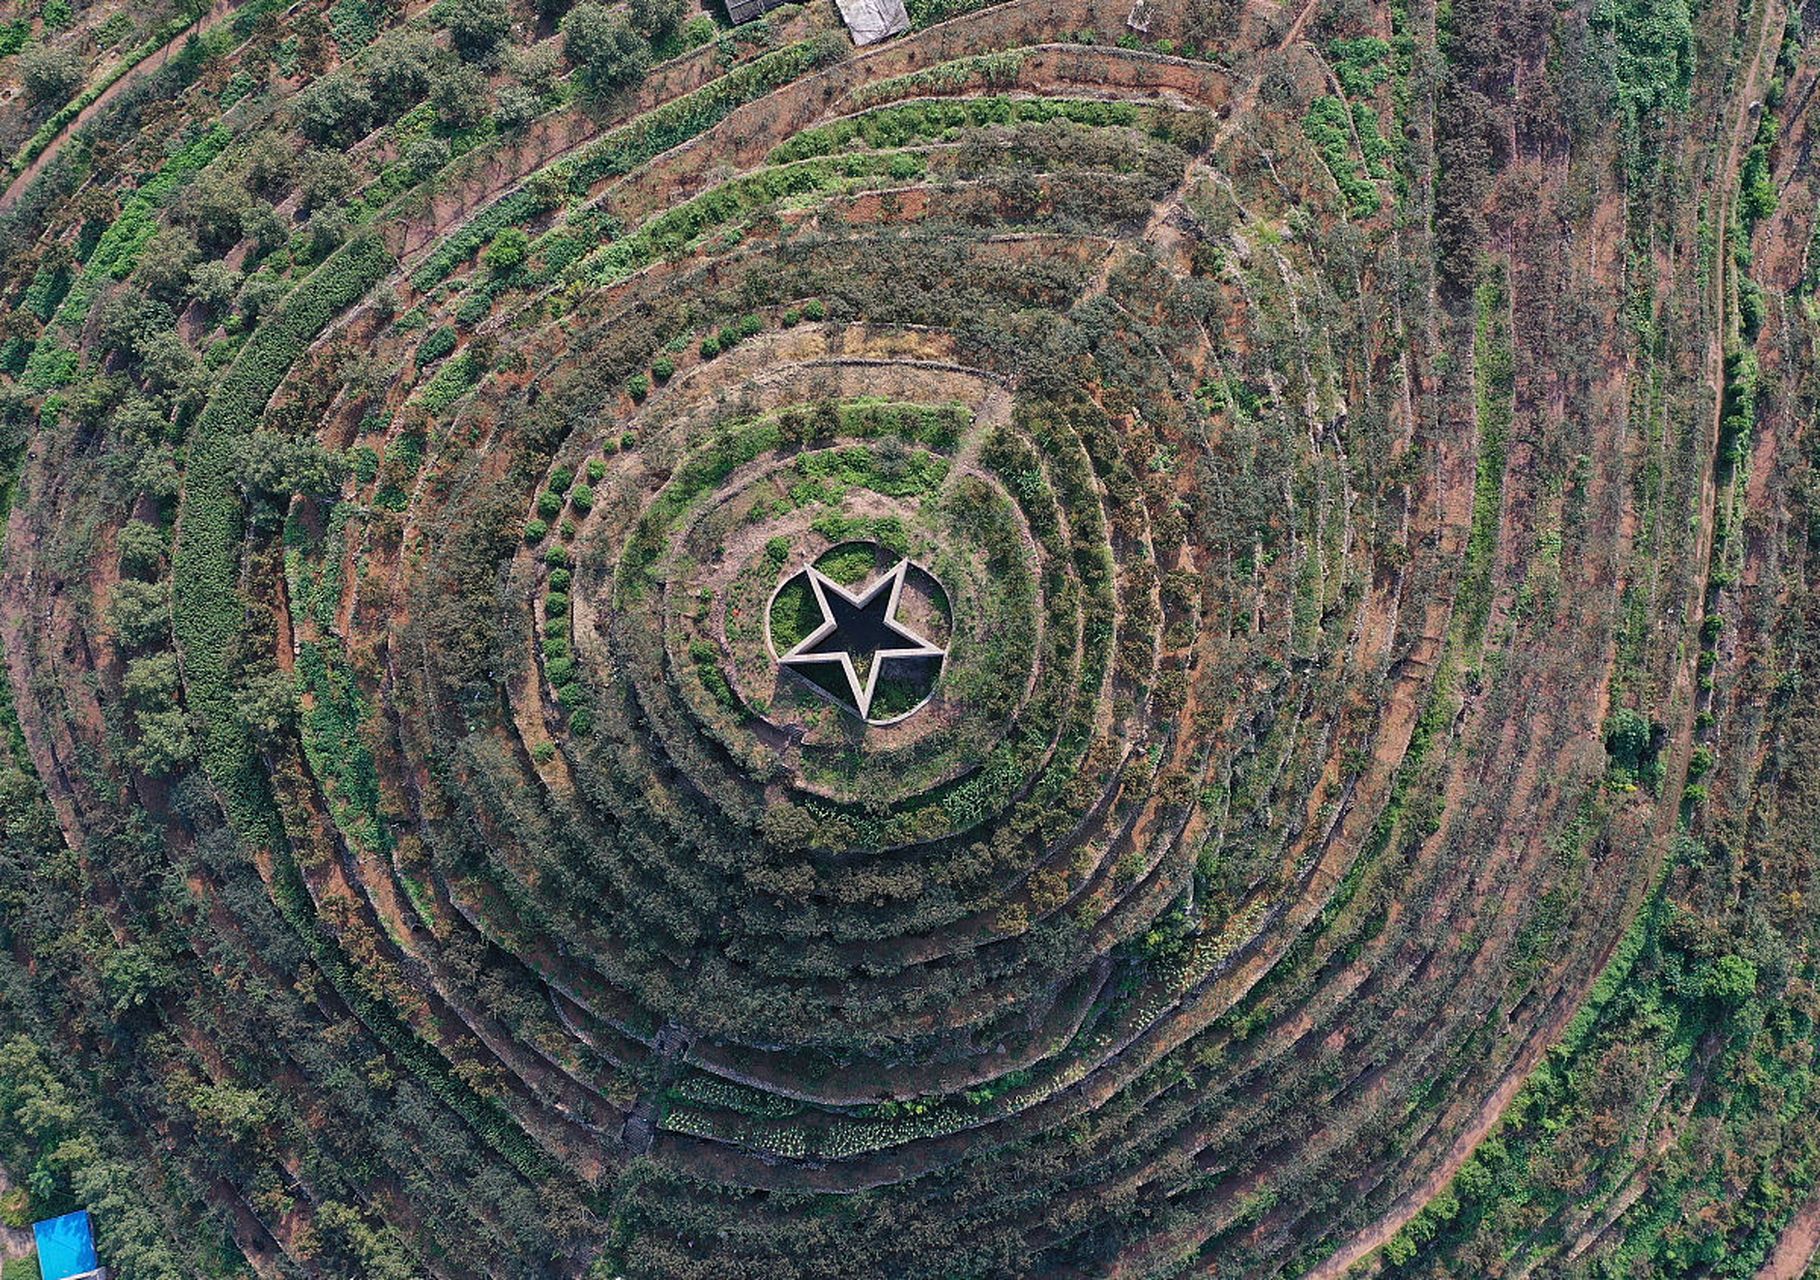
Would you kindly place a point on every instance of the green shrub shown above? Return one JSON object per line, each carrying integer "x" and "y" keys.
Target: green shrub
{"x": 506, "y": 253}
{"x": 438, "y": 344}
{"x": 549, "y": 504}
{"x": 535, "y": 530}
{"x": 142, "y": 548}
{"x": 603, "y": 46}
{"x": 473, "y": 309}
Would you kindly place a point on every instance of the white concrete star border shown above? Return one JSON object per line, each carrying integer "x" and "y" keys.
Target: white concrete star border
{"x": 800, "y": 655}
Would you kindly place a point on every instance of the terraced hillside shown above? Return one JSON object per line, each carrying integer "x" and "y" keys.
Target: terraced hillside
{"x": 1355, "y": 463}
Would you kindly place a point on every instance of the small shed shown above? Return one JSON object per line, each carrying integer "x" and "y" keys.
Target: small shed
{"x": 66, "y": 1247}
{"x": 739, "y": 11}
{"x": 872, "y": 20}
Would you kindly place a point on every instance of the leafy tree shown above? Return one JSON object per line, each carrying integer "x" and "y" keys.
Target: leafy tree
{"x": 262, "y": 225}
{"x": 426, "y": 156}
{"x": 259, "y": 295}
{"x": 272, "y": 464}
{"x": 327, "y": 228}
{"x": 657, "y": 18}
{"x": 172, "y": 370}
{"x": 459, "y": 95}
{"x": 475, "y": 26}
{"x": 167, "y": 262}
{"x": 152, "y": 680}
{"x": 788, "y": 827}
{"x": 1629, "y": 741}
{"x": 516, "y": 108}
{"x": 267, "y": 702}
{"x": 507, "y": 252}
{"x": 271, "y": 167}
{"x": 155, "y": 473}
{"x": 142, "y": 547}
{"x": 604, "y": 49}
{"x": 140, "y": 612}
{"x": 38, "y": 1107}
{"x": 364, "y": 1249}
{"x": 335, "y": 110}
{"x": 215, "y": 207}
{"x": 233, "y": 1112}
{"x": 312, "y": 35}
{"x": 399, "y": 72}
{"x": 214, "y": 285}
{"x": 131, "y": 977}
{"x": 537, "y": 68}
{"x": 1731, "y": 979}
{"x": 326, "y": 176}
{"x": 129, "y": 319}
{"x": 137, "y": 425}
{"x": 50, "y": 75}
{"x": 165, "y": 741}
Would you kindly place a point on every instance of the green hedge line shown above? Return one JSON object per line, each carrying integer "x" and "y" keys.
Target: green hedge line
{"x": 208, "y": 617}
{"x": 902, "y": 123}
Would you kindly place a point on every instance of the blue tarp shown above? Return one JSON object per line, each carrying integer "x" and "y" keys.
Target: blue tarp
{"x": 66, "y": 1246}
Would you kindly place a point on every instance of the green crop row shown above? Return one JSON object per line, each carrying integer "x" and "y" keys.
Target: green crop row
{"x": 896, "y": 125}
{"x": 1328, "y": 126}
{"x": 676, "y": 228}
{"x": 623, "y": 149}
{"x": 993, "y": 69}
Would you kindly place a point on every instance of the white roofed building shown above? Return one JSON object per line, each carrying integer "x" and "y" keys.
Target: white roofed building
{"x": 873, "y": 20}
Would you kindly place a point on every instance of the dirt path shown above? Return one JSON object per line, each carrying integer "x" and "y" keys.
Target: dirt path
{"x": 1797, "y": 1246}
{"x": 217, "y": 13}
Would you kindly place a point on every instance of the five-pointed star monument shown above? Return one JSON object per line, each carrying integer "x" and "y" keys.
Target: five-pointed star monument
{"x": 859, "y": 629}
